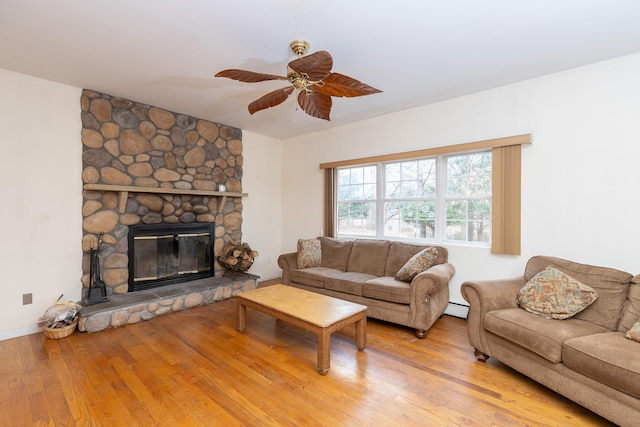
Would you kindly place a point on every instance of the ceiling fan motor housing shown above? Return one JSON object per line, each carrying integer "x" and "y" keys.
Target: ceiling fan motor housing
{"x": 299, "y": 47}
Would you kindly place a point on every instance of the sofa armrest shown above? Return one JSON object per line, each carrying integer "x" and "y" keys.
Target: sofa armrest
{"x": 488, "y": 295}
{"x": 287, "y": 262}
{"x": 429, "y": 296}
{"x": 483, "y": 297}
{"x": 433, "y": 279}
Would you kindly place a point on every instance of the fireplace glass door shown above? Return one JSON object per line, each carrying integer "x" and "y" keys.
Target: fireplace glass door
{"x": 164, "y": 254}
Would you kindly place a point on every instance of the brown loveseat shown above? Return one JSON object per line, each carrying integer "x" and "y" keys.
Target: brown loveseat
{"x": 363, "y": 271}
{"x": 586, "y": 357}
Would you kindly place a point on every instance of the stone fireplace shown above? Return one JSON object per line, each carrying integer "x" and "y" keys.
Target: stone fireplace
{"x": 147, "y": 168}
{"x": 147, "y": 165}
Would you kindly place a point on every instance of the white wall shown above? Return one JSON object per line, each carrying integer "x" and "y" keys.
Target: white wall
{"x": 580, "y": 176}
{"x": 41, "y": 187}
{"x": 262, "y": 209}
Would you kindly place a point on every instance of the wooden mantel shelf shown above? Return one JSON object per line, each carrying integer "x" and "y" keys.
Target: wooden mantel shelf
{"x": 124, "y": 191}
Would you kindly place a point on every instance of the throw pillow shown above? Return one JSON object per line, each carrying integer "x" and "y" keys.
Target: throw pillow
{"x": 555, "y": 295}
{"x": 417, "y": 264}
{"x": 634, "y": 332}
{"x": 309, "y": 254}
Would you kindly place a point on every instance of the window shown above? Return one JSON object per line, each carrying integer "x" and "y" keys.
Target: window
{"x": 406, "y": 200}
{"x": 468, "y": 209}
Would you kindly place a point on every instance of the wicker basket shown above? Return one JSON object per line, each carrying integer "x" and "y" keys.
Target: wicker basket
{"x": 55, "y": 333}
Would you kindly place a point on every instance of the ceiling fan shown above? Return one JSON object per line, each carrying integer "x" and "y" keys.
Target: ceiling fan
{"x": 311, "y": 75}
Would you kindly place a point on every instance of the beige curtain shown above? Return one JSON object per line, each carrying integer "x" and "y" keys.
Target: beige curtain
{"x": 505, "y": 215}
{"x": 329, "y": 202}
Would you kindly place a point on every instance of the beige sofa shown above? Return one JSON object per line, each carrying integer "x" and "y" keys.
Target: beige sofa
{"x": 363, "y": 270}
{"x": 586, "y": 357}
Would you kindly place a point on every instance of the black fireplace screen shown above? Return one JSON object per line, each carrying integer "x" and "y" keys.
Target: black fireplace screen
{"x": 162, "y": 254}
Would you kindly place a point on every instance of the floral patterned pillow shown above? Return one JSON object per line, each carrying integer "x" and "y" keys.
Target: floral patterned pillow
{"x": 309, "y": 253}
{"x": 555, "y": 295}
{"x": 417, "y": 264}
{"x": 634, "y": 332}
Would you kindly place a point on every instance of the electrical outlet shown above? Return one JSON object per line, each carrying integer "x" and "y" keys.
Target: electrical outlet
{"x": 27, "y": 299}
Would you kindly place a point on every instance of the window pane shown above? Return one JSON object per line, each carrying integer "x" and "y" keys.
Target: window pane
{"x": 427, "y": 178}
{"x": 369, "y": 174}
{"x": 456, "y": 219}
{"x": 455, "y": 230}
{"x": 469, "y": 175}
{"x": 356, "y": 218}
{"x": 414, "y": 179}
{"x": 356, "y": 176}
{"x": 369, "y": 191}
{"x": 392, "y": 172}
{"x": 410, "y": 219}
{"x": 343, "y": 175}
{"x": 356, "y": 191}
{"x": 479, "y": 229}
{"x": 468, "y": 204}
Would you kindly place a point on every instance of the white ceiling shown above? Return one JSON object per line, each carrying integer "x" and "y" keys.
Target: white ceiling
{"x": 165, "y": 52}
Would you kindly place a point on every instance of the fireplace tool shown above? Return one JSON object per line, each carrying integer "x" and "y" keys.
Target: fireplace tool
{"x": 97, "y": 292}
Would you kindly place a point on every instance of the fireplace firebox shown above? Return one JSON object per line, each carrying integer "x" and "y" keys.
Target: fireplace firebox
{"x": 163, "y": 254}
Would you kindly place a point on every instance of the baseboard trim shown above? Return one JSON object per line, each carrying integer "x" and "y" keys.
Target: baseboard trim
{"x": 15, "y": 333}
{"x": 457, "y": 310}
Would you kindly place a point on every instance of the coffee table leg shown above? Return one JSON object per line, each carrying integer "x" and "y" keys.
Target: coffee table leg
{"x": 242, "y": 315}
{"x": 361, "y": 333}
{"x": 324, "y": 352}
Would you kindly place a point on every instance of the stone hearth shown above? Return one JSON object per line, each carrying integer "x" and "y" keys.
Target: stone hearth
{"x": 133, "y": 307}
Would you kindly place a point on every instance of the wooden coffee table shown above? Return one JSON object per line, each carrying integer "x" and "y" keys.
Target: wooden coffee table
{"x": 313, "y": 312}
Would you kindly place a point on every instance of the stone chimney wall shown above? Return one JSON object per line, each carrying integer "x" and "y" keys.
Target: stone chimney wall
{"x": 127, "y": 143}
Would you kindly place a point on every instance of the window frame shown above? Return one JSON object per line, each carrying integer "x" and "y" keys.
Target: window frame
{"x": 506, "y": 185}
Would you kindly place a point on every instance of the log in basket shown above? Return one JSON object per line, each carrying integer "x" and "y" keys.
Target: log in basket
{"x": 237, "y": 257}
{"x": 55, "y": 333}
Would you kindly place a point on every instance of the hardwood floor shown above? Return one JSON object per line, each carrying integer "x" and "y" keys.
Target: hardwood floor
{"x": 192, "y": 368}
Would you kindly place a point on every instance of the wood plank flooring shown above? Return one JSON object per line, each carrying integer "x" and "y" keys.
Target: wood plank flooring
{"x": 192, "y": 368}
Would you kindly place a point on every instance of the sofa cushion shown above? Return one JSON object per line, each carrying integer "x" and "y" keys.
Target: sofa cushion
{"x": 611, "y": 285}
{"x": 387, "y": 289}
{"x": 314, "y": 276}
{"x": 634, "y": 332}
{"x": 555, "y": 295}
{"x": 349, "y": 282}
{"x": 309, "y": 253}
{"x": 537, "y": 334}
{"x": 608, "y": 358}
{"x": 335, "y": 253}
{"x": 631, "y": 311}
{"x": 399, "y": 254}
{"x": 368, "y": 256}
{"x": 418, "y": 263}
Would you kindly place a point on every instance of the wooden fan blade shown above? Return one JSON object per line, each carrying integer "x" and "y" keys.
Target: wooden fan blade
{"x": 317, "y": 65}
{"x": 271, "y": 99}
{"x": 340, "y": 85}
{"x": 248, "y": 76}
{"x": 315, "y": 104}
